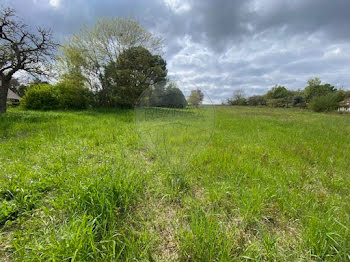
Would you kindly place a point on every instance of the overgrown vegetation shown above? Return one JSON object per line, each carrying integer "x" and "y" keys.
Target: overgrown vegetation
{"x": 316, "y": 96}
{"x": 271, "y": 185}
{"x": 65, "y": 95}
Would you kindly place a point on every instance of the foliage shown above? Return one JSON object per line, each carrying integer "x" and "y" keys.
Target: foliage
{"x": 238, "y": 94}
{"x": 22, "y": 89}
{"x": 96, "y": 47}
{"x": 346, "y": 93}
{"x": 278, "y": 92}
{"x": 326, "y": 103}
{"x": 71, "y": 68}
{"x": 71, "y": 95}
{"x": 196, "y": 97}
{"x": 275, "y": 102}
{"x": 237, "y": 102}
{"x": 21, "y": 50}
{"x": 315, "y": 89}
{"x": 124, "y": 81}
{"x": 256, "y": 101}
{"x": 238, "y": 98}
{"x": 64, "y": 95}
{"x": 167, "y": 96}
{"x": 314, "y": 81}
{"x": 41, "y": 97}
{"x": 323, "y": 97}
{"x": 297, "y": 100}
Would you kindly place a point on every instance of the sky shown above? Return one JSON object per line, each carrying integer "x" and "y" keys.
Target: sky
{"x": 223, "y": 45}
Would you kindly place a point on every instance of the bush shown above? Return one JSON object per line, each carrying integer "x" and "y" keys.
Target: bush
{"x": 237, "y": 102}
{"x": 256, "y": 101}
{"x": 280, "y": 102}
{"x": 326, "y": 103}
{"x": 41, "y": 97}
{"x": 73, "y": 96}
{"x": 298, "y": 100}
{"x": 65, "y": 95}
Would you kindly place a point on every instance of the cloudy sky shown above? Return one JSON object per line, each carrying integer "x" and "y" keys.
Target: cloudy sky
{"x": 223, "y": 45}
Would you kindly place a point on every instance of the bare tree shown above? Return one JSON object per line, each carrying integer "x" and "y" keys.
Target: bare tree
{"x": 238, "y": 94}
{"x": 21, "y": 49}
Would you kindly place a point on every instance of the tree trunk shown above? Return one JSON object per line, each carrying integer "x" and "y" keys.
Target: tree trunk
{"x": 4, "y": 87}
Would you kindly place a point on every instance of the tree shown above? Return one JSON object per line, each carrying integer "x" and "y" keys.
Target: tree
{"x": 238, "y": 94}
{"x": 278, "y": 92}
{"x": 174, "y": 97}
{"x": 135, "y": 70}
{"x": 71, "y": 65}
{"x": 167, "y": 96}
{"x": 196, "y": 97}
{"x": 91, "y": 50}
{"x": 279, "y": 96}
{"x": 238, "y": 98}
{"x": 21, "y": 49}
{"x": 315, "y": 89}
{"x": 346, "y": 93}
{"x": 256, "y": 101}
{"x": 314, "y": 81}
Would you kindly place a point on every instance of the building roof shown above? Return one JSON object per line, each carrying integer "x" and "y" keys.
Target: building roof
{"x": 12, "y": 95}
{"x": 345, "y": 103}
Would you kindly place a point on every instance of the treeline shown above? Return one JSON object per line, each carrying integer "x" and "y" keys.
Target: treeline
{"x": 109, "y": 65}
{"x": 119, "y": 83}
{"x": 315, "y": 96}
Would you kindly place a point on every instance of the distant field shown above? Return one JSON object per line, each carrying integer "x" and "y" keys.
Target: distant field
{"x": 271, "y": 185}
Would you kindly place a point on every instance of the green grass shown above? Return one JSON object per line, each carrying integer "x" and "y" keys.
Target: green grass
{"x": 271, "y": 185}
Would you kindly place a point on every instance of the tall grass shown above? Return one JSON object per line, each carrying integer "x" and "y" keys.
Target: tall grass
{"x": 272, "y": 185}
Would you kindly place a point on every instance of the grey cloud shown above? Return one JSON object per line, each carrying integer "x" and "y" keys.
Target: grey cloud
{"x": 223, "y": 45}
{"x": 329, "y": 17}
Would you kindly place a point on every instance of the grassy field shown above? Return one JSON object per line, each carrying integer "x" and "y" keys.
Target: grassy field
{"x": 271, "y": 185}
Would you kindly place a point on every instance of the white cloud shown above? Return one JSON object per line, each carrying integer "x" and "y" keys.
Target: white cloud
{"x": 178, "y": 6}
{"x": 55, "y": 3}
{"x": 337, "y": 51}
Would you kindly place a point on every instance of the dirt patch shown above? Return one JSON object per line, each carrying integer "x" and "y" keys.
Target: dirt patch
{"x": 5, "y": 238}
{"x": 166, "y": 225}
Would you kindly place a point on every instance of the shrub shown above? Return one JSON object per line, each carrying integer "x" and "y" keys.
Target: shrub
{"x": 65, "y": 95}
{"x": 73, "y": 96}
{"x": 278, "y": 102}
{"x": 256, "y": 101}
{"x": 237, "y": 102}
{"x": 41, "y": 97}
{"x": 326, "y": 103}
{"x": 298, "y": 100}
